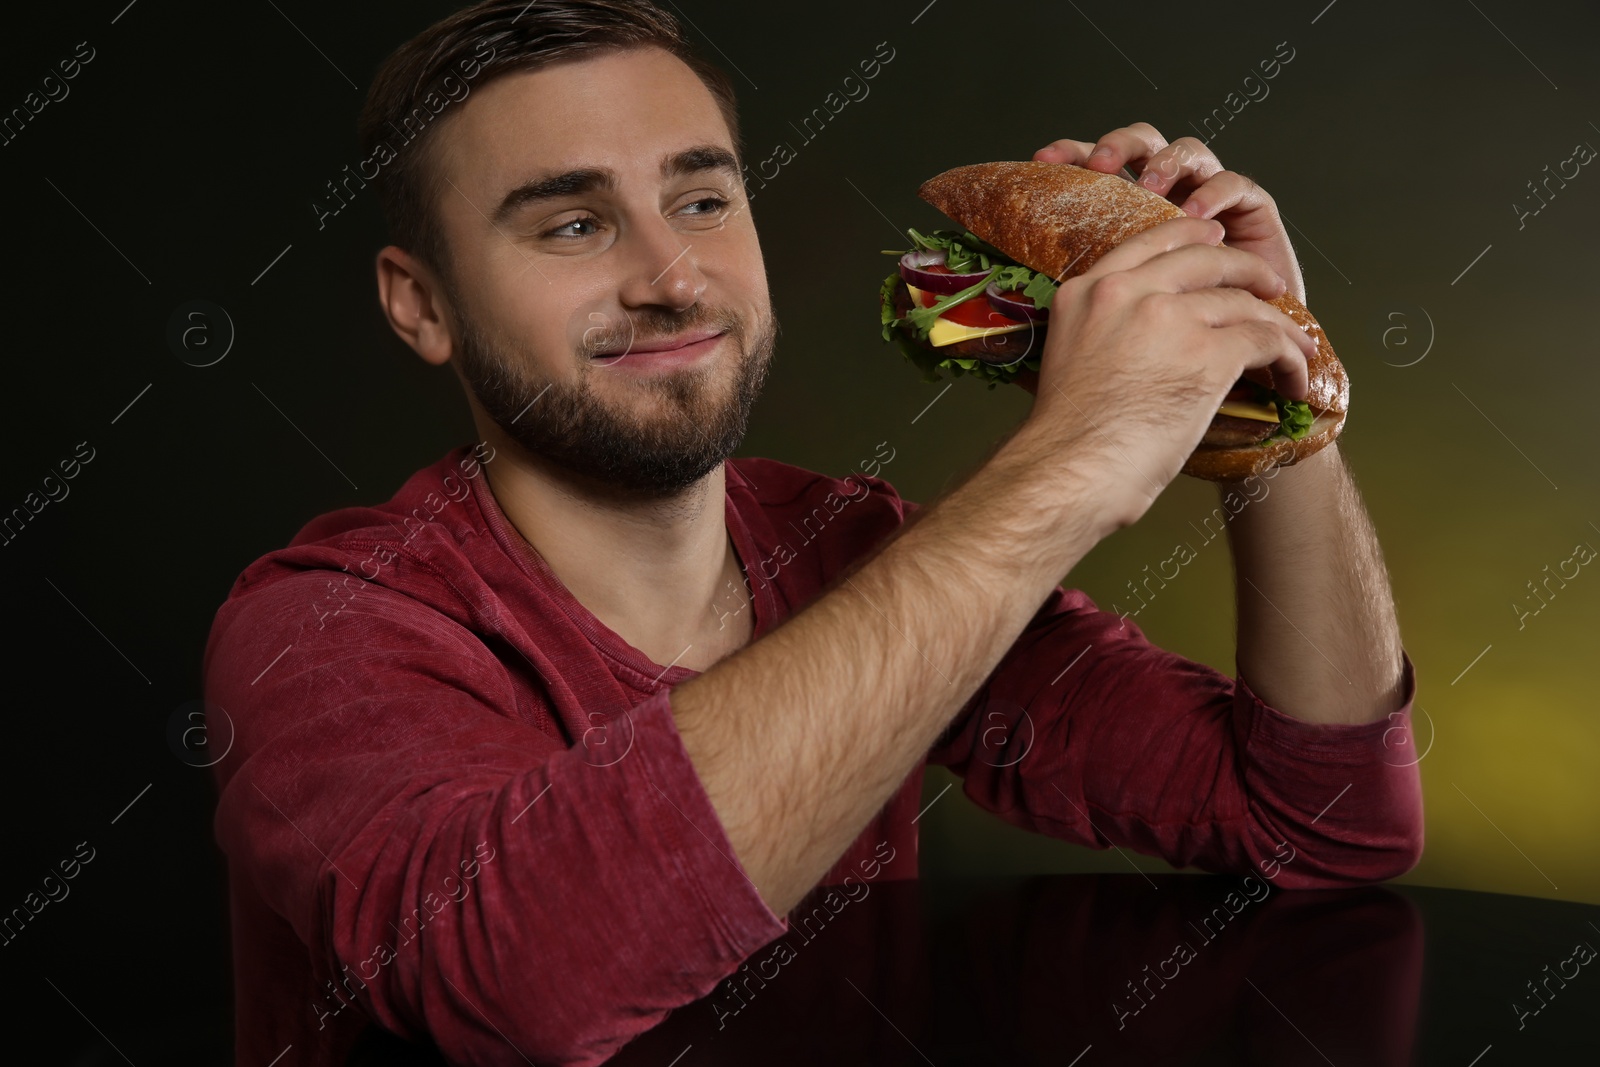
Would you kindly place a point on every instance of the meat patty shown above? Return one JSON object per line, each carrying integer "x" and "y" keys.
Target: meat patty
{"x": 1230, "y": 431}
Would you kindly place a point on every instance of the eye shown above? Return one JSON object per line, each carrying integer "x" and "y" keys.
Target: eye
{"x": 586, "y": 220}
{"x": 710, "y": 205}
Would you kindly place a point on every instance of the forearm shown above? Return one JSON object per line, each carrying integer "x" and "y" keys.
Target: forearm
{"x": 802, "y": 736}
{"x": 1317, "y": 633}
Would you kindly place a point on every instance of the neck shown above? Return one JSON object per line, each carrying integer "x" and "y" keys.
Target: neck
{"x": 660, "y": 571}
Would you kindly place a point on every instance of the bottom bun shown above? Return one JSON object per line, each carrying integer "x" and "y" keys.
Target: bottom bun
{"x": 1236, "y": 464}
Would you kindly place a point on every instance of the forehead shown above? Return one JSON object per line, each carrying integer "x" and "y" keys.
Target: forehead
{"x": 618, "y": 109}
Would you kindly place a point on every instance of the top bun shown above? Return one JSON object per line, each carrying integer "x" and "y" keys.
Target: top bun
{"x": 1054, "y": 218}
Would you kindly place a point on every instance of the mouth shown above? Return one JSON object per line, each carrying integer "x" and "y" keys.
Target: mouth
{"x": 682, "y": 348}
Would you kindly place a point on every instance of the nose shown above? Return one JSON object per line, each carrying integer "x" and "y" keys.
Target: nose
{"x": 661, "y": 269}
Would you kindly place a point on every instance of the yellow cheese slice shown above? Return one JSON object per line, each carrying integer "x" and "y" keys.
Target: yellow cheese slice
{"x": 944, "y": 332}
{"x": 1243, "y": 409}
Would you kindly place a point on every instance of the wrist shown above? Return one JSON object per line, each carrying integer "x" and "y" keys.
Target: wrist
{"x": 1066, "y": 480}
{"x": 1305, "y": 480}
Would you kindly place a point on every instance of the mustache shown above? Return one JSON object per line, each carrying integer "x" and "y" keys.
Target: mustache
{"x": 619, "y": 333}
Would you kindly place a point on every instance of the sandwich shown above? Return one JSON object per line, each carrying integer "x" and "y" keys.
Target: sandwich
{"x": 977, "y": 300}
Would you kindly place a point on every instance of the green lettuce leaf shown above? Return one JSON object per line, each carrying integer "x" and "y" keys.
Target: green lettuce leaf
{"x": 1294, "y": 416}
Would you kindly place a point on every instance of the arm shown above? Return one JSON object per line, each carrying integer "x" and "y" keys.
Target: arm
{"x": 801, "y": 737}
{"x": 1088, "y": 733}
{"x": 1149, "y": 725}
{"x": 468, "y": 878}
{"x": 1317, "y": 630}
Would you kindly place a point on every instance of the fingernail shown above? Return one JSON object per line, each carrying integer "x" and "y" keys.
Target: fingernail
{"x": 1101, "y": 151}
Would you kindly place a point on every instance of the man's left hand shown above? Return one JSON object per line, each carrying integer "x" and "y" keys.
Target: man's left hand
{"x": 1190, "y": 175}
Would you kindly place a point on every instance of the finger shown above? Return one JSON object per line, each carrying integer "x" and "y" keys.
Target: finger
{"x": 1183, "y": 254}
{"x": 1268, "y": 346}
{"x": 1162, "y": 237}
{"x": 1129, "y": 146}
{"x": 1190, "y": 267}
{"x": 1065, "y": 151}
{"x": 1222, "y": 307}
{"x": 1185, "y": 160}
{"x": 1226, "y": 309}
{"x": 1227, "y": 191}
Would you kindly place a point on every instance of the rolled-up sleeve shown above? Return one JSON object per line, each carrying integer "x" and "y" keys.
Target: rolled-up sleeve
{"x": 470, "y": 879}
{"x": 1088, "y": 733}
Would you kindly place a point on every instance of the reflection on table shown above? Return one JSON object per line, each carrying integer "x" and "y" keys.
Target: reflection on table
{"x": 1078, "y": 970}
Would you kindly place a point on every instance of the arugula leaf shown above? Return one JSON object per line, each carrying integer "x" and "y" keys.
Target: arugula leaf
{"x": 1013, "y": 277}
{"x": 1042, "y": 288}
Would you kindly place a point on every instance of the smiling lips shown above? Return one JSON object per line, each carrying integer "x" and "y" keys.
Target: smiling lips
{"x": 670, "y": 344}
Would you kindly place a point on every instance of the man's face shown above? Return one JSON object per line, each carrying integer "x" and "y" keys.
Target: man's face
{"x": 560, "y": 285}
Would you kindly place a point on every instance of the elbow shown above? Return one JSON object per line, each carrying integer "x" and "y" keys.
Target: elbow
{"x": 1378, "y": 833}
{"x": 1386, "y": 861}
{"x": 1405, "y": 855}
{"x": 1396, "y": 848}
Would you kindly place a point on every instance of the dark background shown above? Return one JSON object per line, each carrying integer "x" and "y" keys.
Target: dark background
{"x": 187, "y": 156}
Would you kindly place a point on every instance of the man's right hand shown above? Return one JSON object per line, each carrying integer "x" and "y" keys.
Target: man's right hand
{"x": 1142, "y": 349}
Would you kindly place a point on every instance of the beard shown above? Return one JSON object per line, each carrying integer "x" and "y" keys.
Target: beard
{"x": 617, "y": 452}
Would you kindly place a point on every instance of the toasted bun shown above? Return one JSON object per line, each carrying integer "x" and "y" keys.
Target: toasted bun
{"x": 1054, "y": 218}
{"x": 1237, "y": 464}
{"x": 1059, "y": 219}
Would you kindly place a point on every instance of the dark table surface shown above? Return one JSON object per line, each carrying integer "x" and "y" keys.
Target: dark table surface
{"x": 1077, "y": 970}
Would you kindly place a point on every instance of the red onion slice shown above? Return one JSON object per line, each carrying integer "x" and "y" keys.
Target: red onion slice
{"x": 912, "y": 269}
{"x": 1014, "y": 305}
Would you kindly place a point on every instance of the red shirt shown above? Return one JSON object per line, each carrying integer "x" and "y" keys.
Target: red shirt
{"x": 456, "y": 802}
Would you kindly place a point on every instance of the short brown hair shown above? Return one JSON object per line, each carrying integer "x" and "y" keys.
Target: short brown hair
{"x": 518, "y": 36}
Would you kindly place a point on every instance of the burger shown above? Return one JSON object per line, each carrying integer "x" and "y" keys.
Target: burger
{"x": 977, "y": 300}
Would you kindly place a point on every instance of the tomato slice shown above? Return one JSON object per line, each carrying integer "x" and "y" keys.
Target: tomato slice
{"x": 1246, "y": 390}
{"x": 976, "y": 312}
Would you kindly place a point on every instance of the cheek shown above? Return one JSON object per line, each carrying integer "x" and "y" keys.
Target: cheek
{"x": 533, "y": 320}
{"x": 746, "y": 278}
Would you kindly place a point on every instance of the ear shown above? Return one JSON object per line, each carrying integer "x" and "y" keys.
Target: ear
{"x": 413, "y": 300}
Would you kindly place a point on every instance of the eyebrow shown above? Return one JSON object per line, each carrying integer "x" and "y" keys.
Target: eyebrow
{"x": 547, "y": 187}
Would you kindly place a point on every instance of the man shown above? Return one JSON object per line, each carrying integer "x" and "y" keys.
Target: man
{"x": 548, "y": 744}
